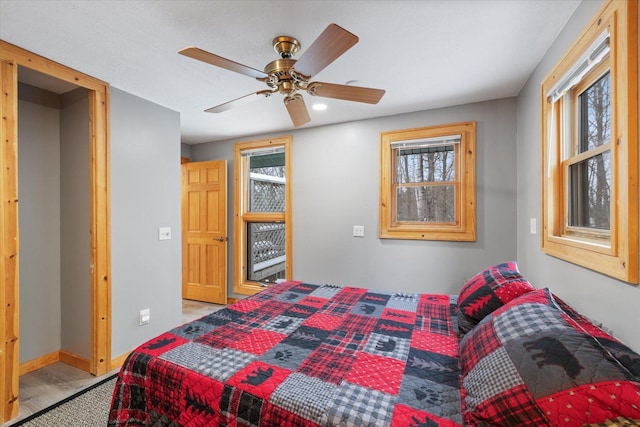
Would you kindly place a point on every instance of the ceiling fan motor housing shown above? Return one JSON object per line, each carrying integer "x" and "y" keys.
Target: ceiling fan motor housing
{"x": 280, "y": 77}
{"x": 286, "y": 46}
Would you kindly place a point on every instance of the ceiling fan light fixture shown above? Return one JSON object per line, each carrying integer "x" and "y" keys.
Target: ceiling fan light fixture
{"x": 319, "y": 107}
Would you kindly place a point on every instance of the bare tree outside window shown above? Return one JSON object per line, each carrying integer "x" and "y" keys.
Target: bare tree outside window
{"x": 425, "y": 191}
{"x": 590, "y": 179}
{"x": 427, "y": 183}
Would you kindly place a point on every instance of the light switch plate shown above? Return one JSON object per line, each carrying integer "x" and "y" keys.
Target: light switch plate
{"x": 145, "y": 316}
{"x": 164, "y": 233}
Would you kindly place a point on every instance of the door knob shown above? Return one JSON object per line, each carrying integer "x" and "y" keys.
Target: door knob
{"x": 220, "y": 239}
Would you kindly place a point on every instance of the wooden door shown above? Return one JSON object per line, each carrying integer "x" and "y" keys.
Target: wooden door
{"x": 204, "y": 231}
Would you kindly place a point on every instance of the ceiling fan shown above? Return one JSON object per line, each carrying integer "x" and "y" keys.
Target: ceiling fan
{"x": 289, "y": 76}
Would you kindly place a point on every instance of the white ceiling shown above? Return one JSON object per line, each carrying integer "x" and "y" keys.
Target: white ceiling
{"x": 425, "y": 54}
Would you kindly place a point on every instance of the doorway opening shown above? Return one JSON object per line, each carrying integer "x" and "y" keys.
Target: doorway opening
{"x": 65, "y": 185}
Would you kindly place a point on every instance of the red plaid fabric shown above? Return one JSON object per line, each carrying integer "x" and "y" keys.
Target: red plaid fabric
{"x": 342, "y": 340}
{"x": 404, "y": 416}
{"x": 488, "y": 290}
{"x": 275, "y": 416}
{"x": 300, "y": 346}
{"x": 514, "y": 407}
{"x": 167, "y": 385}
{"x": 273, "y": 308}
{"x": 325, "y": 364}
{"x": 224, "y": 336}
{"x": 239, "y": 408}
{"x": 531, "y": 363}
{"x": 338, "y": 309}
{"x": 259, "y": 378}
{"x": 201, "y": 399}
{"x": 484, "y": 342}
{"x": 162, "y": 344}
{"x": 349, "y": 296}
{"x": 433, "y": 305}
{"x": 358, "y": 324}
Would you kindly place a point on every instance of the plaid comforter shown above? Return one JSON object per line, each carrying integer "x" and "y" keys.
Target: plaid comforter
{"x": 299, "y": 354}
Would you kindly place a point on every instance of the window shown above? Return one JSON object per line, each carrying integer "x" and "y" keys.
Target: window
{"x": 589, "y": 149}
{"x": 427, "y": 183}
{"x": 262, "y": 213}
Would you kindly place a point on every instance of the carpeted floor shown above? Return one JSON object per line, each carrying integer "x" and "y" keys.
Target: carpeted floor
{"x": 87, "y": 408}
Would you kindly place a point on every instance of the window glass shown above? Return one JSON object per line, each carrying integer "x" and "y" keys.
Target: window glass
{"x": 266, "y": 257}
{"x": 595, "y": 115}
{"x": 590, "y": 192}
{"x": 435, "y": 164}
{"x": 267, "y": 179}
{"x": 426, "y": 204}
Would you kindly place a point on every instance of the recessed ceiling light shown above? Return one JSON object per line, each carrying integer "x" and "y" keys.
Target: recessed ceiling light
{"x": 319, "y": 107}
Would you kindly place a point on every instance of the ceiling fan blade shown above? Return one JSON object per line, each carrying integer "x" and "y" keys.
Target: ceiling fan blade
{"x": 346, "y": 92}
{"x": 237, "y": 102}
{"x": 297, "y": 109}
{"x": 333, "y": 42}
{"x": 218, "y": 61}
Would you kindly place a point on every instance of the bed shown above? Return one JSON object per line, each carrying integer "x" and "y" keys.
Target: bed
{"x": 299, "y": 354}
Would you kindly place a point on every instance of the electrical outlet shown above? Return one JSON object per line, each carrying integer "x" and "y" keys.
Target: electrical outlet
{"x": 145, "y": 316}
{"x": 358, "y": 230}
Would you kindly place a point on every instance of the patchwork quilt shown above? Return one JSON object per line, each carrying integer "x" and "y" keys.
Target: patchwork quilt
{"x": 300, "y": 354}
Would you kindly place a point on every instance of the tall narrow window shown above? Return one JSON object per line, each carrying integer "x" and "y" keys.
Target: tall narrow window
{"x": 427, "y": 188}
{"x": 262, "y": 189}
{"x": 590, "y": 147}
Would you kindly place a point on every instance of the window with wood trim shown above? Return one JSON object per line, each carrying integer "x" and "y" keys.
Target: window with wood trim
{"x": 590, "y": 147}
{"x": 262, "y": 213}
{"x": 427, "y": 183}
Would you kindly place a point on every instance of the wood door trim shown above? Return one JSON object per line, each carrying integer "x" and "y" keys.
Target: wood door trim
{"x": 10, "y": 58}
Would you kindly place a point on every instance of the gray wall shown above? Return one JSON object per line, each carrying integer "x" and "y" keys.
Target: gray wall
{"x": 39, "y": 222}
{"x": 53, "y": 174}
{"x": 75, "y": 259}
{"x": 145, "y": 195}
{"x": 607, "y": 300}
{"x": 335, "y": 186}
{"x": 185, "y": 150}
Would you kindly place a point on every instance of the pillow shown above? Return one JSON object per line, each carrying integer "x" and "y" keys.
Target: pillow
{"x": 486, "y": 291}
{"x": 532, "y": 363}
